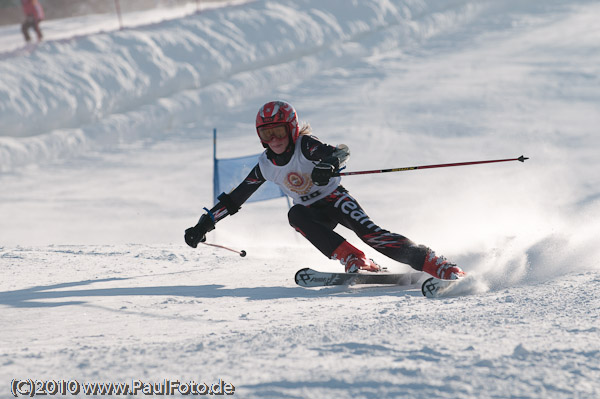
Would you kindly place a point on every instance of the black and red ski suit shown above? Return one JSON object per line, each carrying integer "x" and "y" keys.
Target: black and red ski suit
{"x": 317, "y": 221}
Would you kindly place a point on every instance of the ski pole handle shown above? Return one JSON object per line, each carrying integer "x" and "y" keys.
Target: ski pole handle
{"x": 365, "y": 172}
{"x": 242, "y": 253}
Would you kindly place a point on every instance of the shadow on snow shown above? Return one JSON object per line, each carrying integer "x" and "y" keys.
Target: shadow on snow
{"x": 60, "y": 295}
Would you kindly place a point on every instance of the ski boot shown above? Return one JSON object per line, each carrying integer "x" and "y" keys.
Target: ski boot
{"x": 440, "y": 268}
{"x": 354, "y": 259}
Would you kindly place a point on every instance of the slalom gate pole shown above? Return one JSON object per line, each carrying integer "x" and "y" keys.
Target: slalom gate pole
{"x": 445, "y": 165}
{"x": 118, "y": 8}
{"x": 242, "y": 253}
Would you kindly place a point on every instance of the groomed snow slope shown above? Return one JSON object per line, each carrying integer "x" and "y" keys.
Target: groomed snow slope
{"x": 106, "y": 153}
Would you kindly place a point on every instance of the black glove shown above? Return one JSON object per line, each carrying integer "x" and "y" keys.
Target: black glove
{"x": 197, "y": 234}
{"x": 324, "y": 171}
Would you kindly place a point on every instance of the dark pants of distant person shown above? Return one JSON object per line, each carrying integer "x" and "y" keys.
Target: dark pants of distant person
{"x": 31, "y": 22}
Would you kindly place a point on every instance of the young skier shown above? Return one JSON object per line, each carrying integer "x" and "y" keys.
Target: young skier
{"x": 34, "y": 14}
{"x": 304, "y": 168}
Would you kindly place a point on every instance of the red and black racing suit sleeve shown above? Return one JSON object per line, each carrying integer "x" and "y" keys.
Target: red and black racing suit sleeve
{"x": 230, "y": 203}
{"x": 314, "y": 149}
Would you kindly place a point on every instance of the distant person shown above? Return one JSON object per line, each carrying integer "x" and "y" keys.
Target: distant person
{"x": 34, "y": 14}
{"x": 304, "y": 168}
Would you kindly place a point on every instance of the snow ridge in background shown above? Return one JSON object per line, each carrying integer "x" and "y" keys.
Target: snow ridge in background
{"x": 117, "y": 87}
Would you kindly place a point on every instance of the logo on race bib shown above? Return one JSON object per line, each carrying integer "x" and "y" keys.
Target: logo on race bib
{"x": 298, "y": 183}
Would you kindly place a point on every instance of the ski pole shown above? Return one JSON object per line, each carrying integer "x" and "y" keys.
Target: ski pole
{"x": 445, "y": 165}
{"x": 242, "y": 253}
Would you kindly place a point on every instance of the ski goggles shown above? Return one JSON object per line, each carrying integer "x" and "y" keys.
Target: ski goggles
{"x": 270, "y": 132}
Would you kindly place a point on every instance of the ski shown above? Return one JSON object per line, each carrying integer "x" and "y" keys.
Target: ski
{"x": 308, "y": 277}
{"x": 435, "y": 288}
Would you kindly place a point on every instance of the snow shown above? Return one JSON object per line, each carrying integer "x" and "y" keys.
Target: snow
{"x": 106, "y": 157}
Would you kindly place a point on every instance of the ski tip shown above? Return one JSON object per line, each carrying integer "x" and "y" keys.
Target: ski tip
{"x": 522, "y": 158}
{"x": 435, "y": 288}
{"x": 304, "y": 276}
{"x": 428, "y": 287}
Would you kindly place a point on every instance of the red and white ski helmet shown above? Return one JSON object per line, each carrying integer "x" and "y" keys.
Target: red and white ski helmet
{"x": 277, "y": 112}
